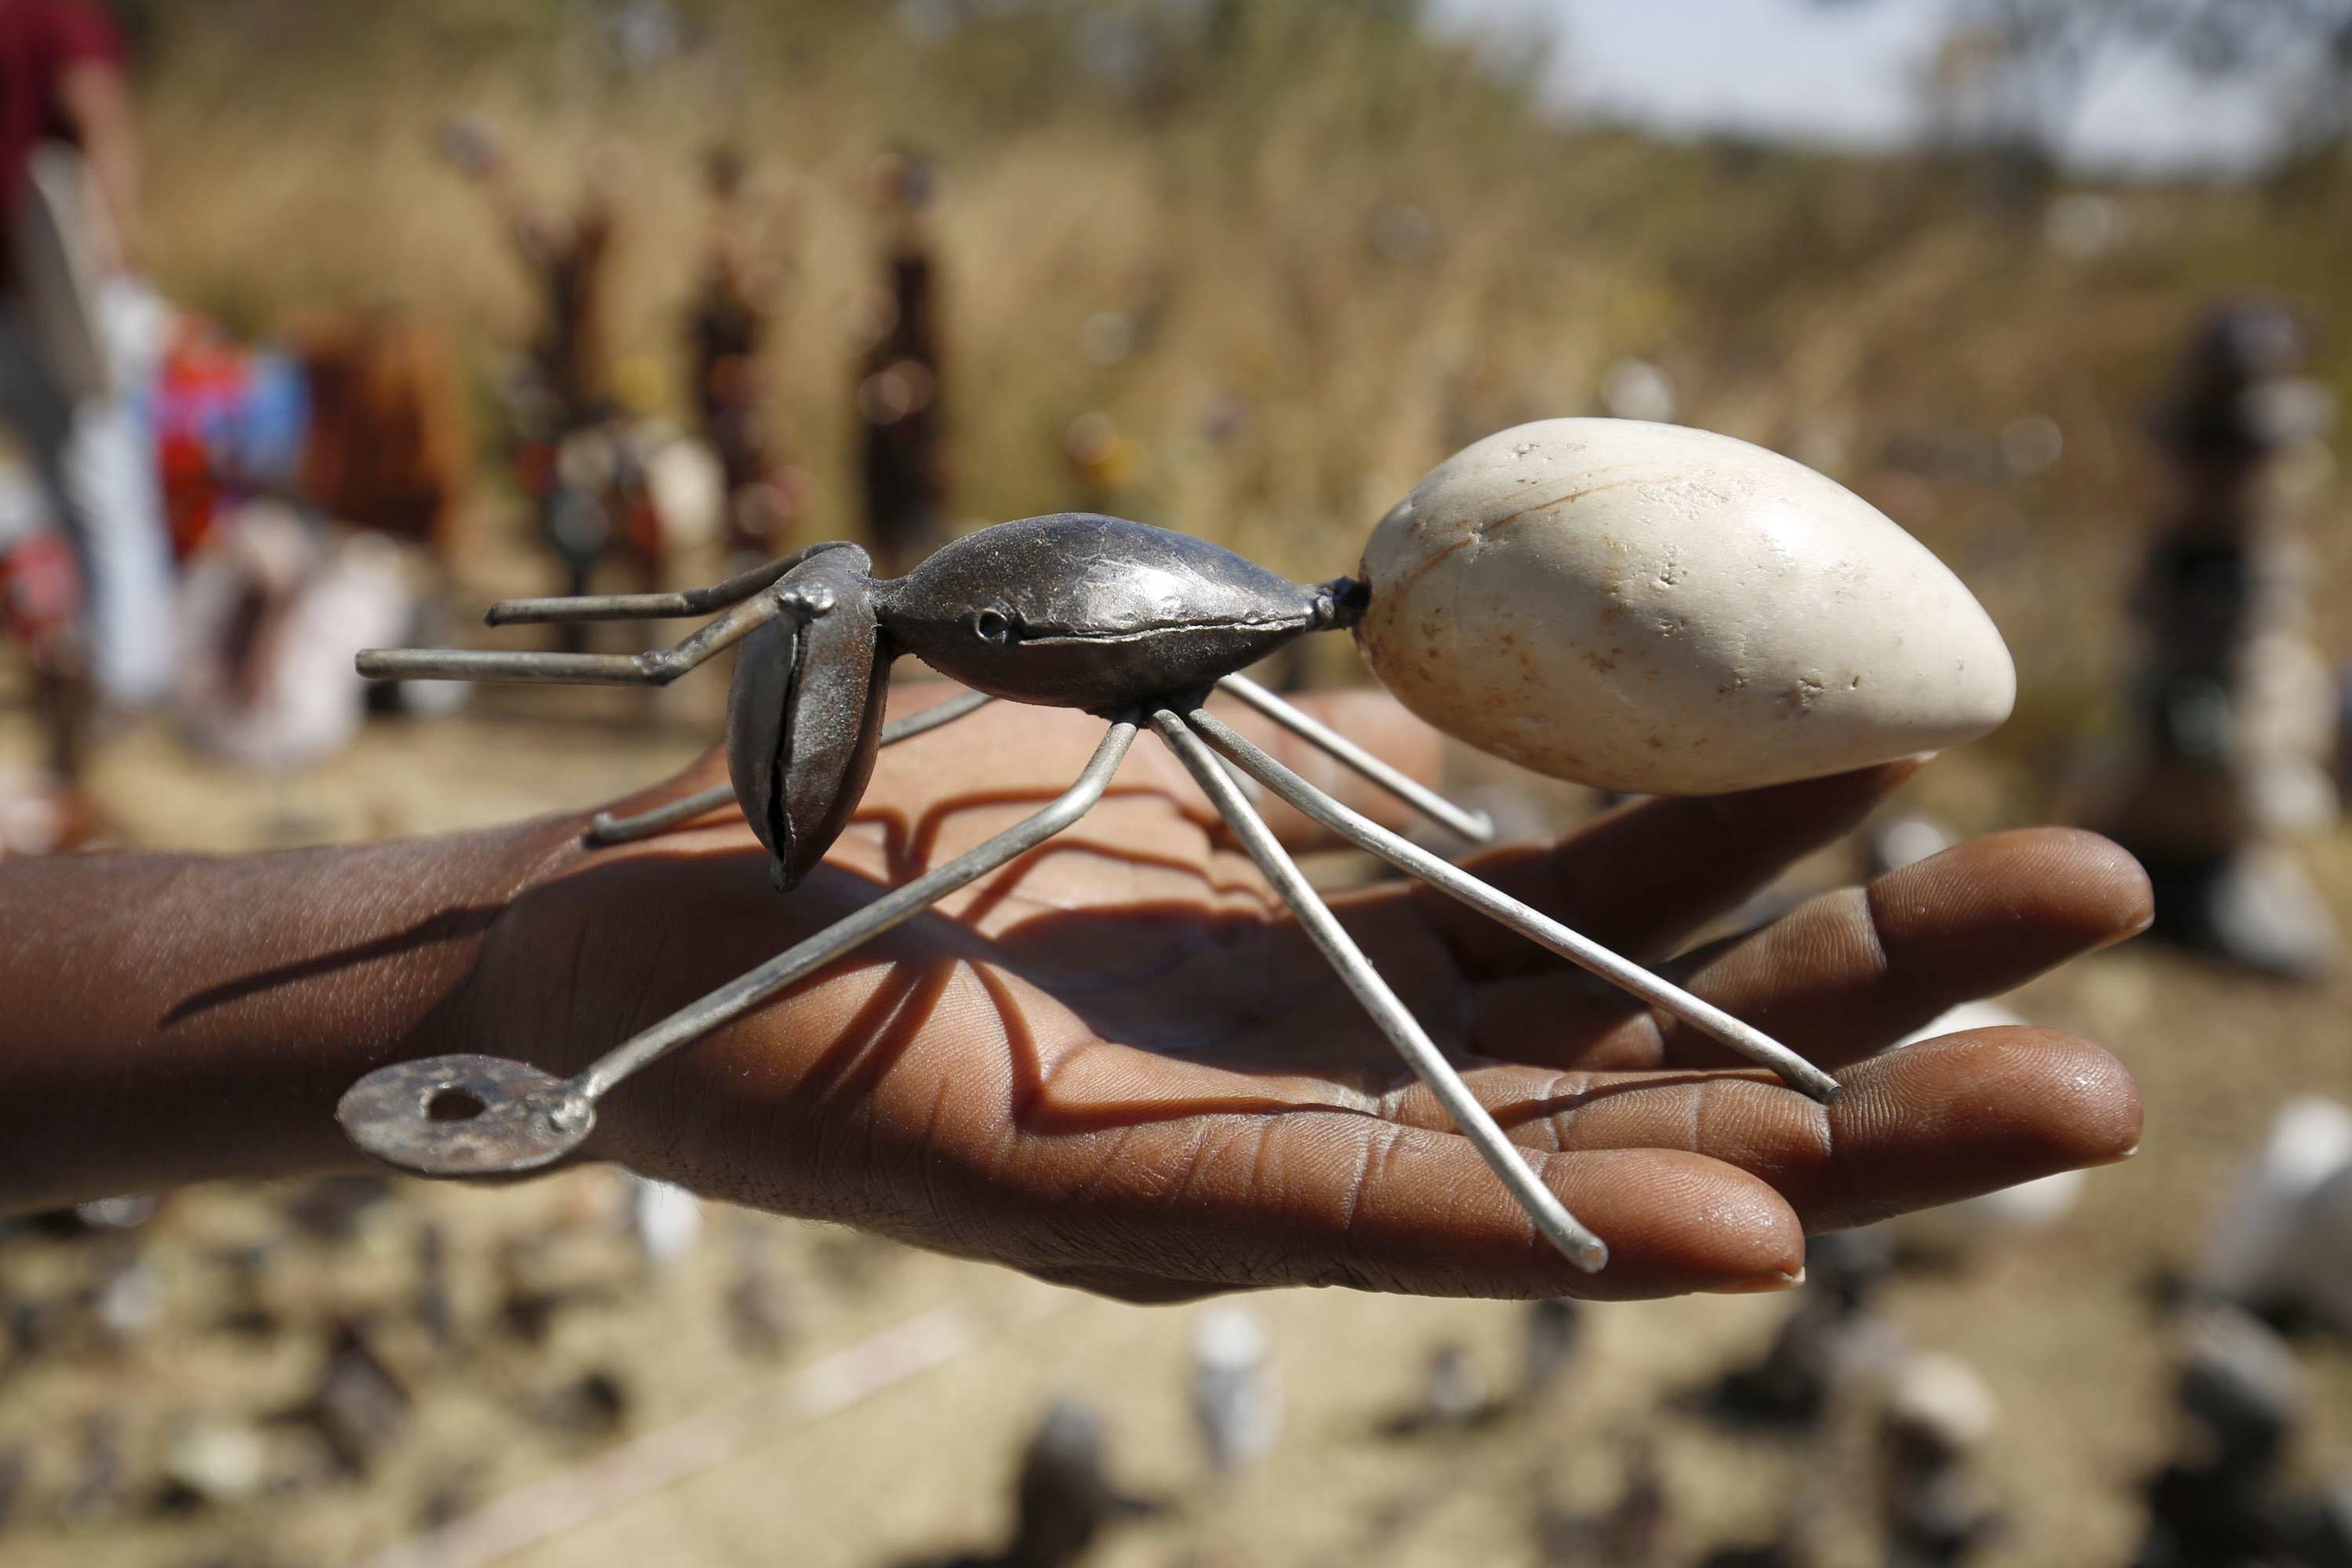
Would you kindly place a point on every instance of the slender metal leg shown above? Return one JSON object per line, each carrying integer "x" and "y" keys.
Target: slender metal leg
{"x": 480, "y": 1115}
{"x": 1579, "y": 950}
{"x": 1474, "y": 826}
{"x": 646, "y": 606}
{"x": 655, "y": 668}
{"x": 606, "y": 828}
{"x": 1507, "y": 1160}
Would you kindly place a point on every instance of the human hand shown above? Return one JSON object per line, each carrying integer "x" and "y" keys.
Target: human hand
{"x": 1118, "y": 1064}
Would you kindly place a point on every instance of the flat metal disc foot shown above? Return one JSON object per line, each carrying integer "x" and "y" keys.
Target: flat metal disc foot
{"x": 465, "y": 1116}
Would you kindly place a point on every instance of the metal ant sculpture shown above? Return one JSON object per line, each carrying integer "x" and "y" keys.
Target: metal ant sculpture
{"x": 1132, "y": 623}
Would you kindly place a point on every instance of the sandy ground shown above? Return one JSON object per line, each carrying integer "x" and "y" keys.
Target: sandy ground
{"x": 233, "y": 1308}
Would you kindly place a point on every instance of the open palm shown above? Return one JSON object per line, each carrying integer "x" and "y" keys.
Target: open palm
{"x": 1118, "y": 1063}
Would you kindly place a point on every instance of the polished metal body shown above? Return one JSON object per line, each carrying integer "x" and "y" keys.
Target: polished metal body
{"x": 1130, "y": 623}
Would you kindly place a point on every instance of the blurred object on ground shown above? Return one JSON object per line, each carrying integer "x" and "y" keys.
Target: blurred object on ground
{"x": 389, "y": 448}
{"x": 232, "y": 423}
{"x": 1637, "y": 1530}
{"x": 273, "y": 611}
{"x": 667, "y": 1220}
{"x": 1236, "y": 1387}
{"x": 2230, "y": 1497}
{"x": 1830, "y": 1338}
{"x": 1064, "y": 1495}
{"x": 1555, "y": 1328}
{"x": 1936, "y": 1413}
{"x": 41, "y": 813}
{"x": 2283, "y": 1246}
{"x": 2235, "y": 710}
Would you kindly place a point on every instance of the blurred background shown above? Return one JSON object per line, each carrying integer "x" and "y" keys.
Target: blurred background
{"x": 328, "y": 322}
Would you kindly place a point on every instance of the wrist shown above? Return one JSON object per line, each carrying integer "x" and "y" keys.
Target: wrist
{"x": 175, "y": 1018}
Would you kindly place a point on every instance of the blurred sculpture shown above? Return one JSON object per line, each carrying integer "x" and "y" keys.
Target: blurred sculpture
{"x": 734, "y": 305}
{"x": 899, "y": 455}
{"x": 2234, "y": 709}
{"x": 571, "y": 451}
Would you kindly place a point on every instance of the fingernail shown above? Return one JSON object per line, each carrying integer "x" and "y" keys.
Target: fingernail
{"x": 1779, "y": 1279}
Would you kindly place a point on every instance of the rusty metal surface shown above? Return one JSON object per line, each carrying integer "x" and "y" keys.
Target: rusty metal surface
{"x": 465, "y": 1116}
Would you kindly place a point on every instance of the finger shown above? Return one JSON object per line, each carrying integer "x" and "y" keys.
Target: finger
{"x": 1640, "y": 880}
{"x": 1318, "y": 1197}
{"x": 1938, "y": 1121}
{"x": 1854, "y": 971}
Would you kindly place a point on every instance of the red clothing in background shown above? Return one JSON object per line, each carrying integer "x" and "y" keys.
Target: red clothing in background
{"x": 39, "y": 40}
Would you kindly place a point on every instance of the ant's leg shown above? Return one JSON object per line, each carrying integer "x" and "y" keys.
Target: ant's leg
{"x": 1582, "y": 950}
{"x": 646, "y": 606}
{"x": 1506, "y": 1159}
{"x": 606, "y": 828}
{"x": 1474, "y": 826}
{"x": 480, "y": 1116}
{"x": 657, "y": 667}
{"x": 934, "y": 717}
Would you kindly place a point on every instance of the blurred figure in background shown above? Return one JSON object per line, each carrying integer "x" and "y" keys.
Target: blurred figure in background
{"x": 898, "y": 392}
{"x": 572, "y": 452}
{"x": 734, "y": 305}
{"x": 79, "y": 334}
{"x": 2235, "y": 712}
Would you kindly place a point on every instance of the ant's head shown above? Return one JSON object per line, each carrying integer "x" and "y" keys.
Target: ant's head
{"x": 804, "y": 716}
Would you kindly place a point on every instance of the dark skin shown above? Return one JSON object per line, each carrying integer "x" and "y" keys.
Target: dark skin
{"x": 1116, "y": 1064}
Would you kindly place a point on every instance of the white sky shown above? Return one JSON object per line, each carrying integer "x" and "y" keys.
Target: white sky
{"x": 1843, "y": 74}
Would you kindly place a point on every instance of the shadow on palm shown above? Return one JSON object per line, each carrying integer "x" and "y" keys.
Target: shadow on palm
{"x": 1113, "y": 1064}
